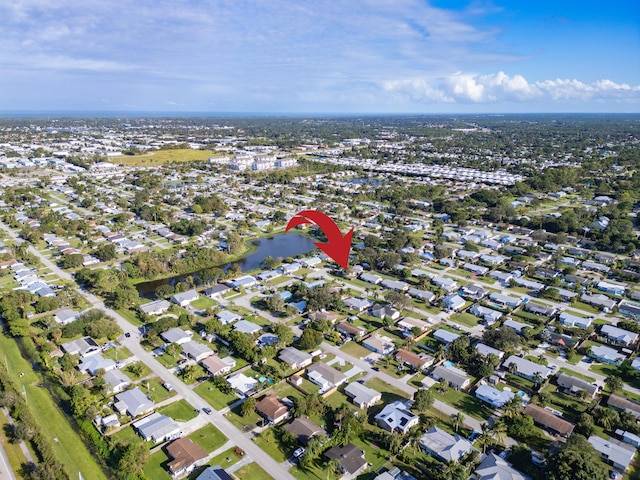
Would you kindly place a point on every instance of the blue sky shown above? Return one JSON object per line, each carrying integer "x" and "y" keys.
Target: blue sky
{"x": 320, "y": 56}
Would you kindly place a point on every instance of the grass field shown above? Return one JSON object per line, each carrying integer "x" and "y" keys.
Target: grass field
{"x": 213, "y": 396}
{"x": 14, "y": 454}
{"x": 253, "y": 471}
{"x": 155, "y": 466}
{"x": 226, "y": 458}
{"x": 180, "y": 411}
{"x": 161, "y": 157}
{"x": 209, "y": 438}
{"x": 203, "y": 303}
{"x": 465, "y": 319}
{"x": 69, "y": 448}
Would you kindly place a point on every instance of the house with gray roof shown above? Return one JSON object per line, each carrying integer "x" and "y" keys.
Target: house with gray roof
{"x": 574, "y": 385}
{"x": 295, "y": 358}
{"x": 156, "y": 307}
{"x": 214, "y": 473}
{"x": 517, "y": 327}
{"x": 526, "y": 368}
{"x": 197, "y": 351}
{"x": 177, "y": 335}
{"x": 487, "y": 314}
{"x": 396, "y": 285}
{"x": 445, "y": 336}
{"x": 358, "y": 304}
{"x": 606, "y": 355}
{"x": 226, "y": 317}
{"x": 133, "y": 402}
{"x": 361, "y": 395}
{"x": 324, "y": 376}
{"x": 599, "y": 300}
{"x": 93, "y": 364}
{"x": 424, "y": 295}
{"x": 247, "y": 327}
{"x": 494, "y": 397}
{"x": 615, "y": 453}
{"x": 485, "y": 350}
{"x": 453, "y": 302}
{"x": 157, "y": 428}
{"x": 444, "y": 446}
{"x": 65, "y": 316}
{"x": 457, "y": 378}
{"x": 618, "y": 336}
{"x": 117, "y": 380}
{"x": 493, "y": 467}
{"x": 185, "y": 298}
{"x": 304, "y": 429}
{"x": 371, "y": 278}
{"x": 85, "y": 347}
{"x": 570, "y": 320}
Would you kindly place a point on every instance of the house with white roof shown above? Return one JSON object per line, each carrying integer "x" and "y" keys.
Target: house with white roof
{"x": 495, "y": 468}
{"x": 241, "y": 384}
{"x": 396, "y": 416}
{"x": 156, "y": 307}
{"x": 177, "y": 335}
{"x": 361, "y": 395}
{"x": 618, "y": 336}
{"x": 185, "y": 298}
{"x": 226, "y": 317}
{"x": 494, "y": 397}
{"x": 606, "y": 355}
{"x": 247, "y": 327}
{"x": 66, "y": 316}
{"x": 570, "y": 320}
{"x": 615, "y": 453}
{"x": 195, "y": 350}
{"x": 526, "y": 368}
{"x": 445, "y": 336}
{"x": 444, "y": 446}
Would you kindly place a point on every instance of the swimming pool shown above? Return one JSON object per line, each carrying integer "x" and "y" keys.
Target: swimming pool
{"x": 521, "y": 394}
{"x": 448, "y": 364}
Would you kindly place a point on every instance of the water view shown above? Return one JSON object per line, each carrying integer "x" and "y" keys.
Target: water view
{"x": 284, "y": 245}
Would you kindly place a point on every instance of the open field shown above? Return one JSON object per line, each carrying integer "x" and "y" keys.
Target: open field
{"x": 69, "y": 448}
{"x": 161, "y": 157}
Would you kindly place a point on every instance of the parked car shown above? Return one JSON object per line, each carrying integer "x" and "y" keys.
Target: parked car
{"x": 168, "y": 386}
{"x": 207, "y": 410}
{"x": 299, "y": 452}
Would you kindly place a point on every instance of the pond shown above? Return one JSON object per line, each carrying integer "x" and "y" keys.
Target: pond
{"x": 284, "y": 245}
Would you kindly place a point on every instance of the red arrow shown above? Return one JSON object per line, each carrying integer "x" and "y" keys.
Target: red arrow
{"x": 337, "y": 246}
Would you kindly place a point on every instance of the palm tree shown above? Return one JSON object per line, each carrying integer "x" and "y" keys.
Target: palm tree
{"x": 458, "y": 420}
{"x": 513, "y": 368}
{"x": 485, "y": 436}
{"x": 499, "y": 431}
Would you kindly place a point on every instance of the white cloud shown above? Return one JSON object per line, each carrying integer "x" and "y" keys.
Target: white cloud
{"x": 500, "y": 87}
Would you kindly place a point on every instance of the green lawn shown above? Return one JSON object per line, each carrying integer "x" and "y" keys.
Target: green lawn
{"x": 253, "y": 471}
{"x": 243, "y": 423}
{"x": 161, "y": 157}
{"x": 121, "y": 352}
{"x": 465, "y": 319}
{"x": 226, "y": 458}
{"x": 384, "y": 388}
{"x": 156, "y": 391}
{"x": 69, "y": 448}
{"x": 130, "y": 316}
{"x": 209, "y": 438}
{"x": 269, "y": 442}
{"x": 203, "y": 303}
{"x": 465, "y": 403}
{"x": 145, "y": 370}
{"x": 127, "y": 434}
{"x": 155, "y": 466}
{"x": 571, "y": 373}
{"x": 213, "y": 396}
{"x": 13, "y": 451}
{"x": 180, "y": 411}
{"x": 355, "y": 350}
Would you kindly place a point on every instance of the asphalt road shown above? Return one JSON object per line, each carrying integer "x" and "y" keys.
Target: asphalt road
{"x": 6, "y": 473}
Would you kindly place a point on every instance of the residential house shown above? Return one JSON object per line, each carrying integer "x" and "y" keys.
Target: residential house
{"x": 494, "y": 397}
{"x": 571, "y": 320}
{"x": 226, "y": 317}
{"x": 628, "y": 437}
{"x": 216, "y": 291}
{"x": 324, "y": 376}
{"x": 394, "y": 474}
{"x": 396, "y": 285}
{"x": 526, "y": 368}
{"x": 606, "y": 355}
{"x": 358, "y": 304}
{"x": 618, "y": 336}
{"x": 493, "y": 467}
{"x": 133, "y": 402}
{"x": 85, "y": 347}
{"x": 444, "y": 446}
{"x": 294, "y": 358}
{"x": 156, "y": 307}
{"x": 489, "y": 315}
{"x": 350, "y": 330}
{"x": 116, "y": 380}
{"x": 66, "y": 316}
{"x": 245, "y": 281}
{"x": 474, "y": 292}
{"x": 611, "y": 287}
{"x": 241, "y": 384}
{"x": 322, "y": 316}
{"x": 615, "y": 453}
{"x": 177, "y": 335}
{"x": 414, "y": 360}
{"x": 538, "y": 309}
{"x": 408, "y": 323}
{"x": 371, "y": 278}
{"x": 445, "y": 336}
{"x": 195, "y": 350}
{"x": 379, "y": 344}
{"x": 95, "y": 363}
{"x": 485, "y": 350}
{"x": 361, "y": 395}
{"x": 453, "y": 303}
{"x": 247, "y": 327}
{"x": 214, "y": 473}
{"x": 424, "y": 295}
{"x": 384, "y": 311}
{"x": 350, "y": 459}
{"x": 272, "y": 408}
{"x": 574, "y": 385}
{"x": 396, "y": 416}
{"x": 623, "y": 404}
{"x": 631, "y": 309}
{"x": 517, "y": 327}
{"x": 457, "y": 378}
{"x": 505, "y": 300}
{"x": 214, "y": 365}
{"x": 185, "y": 298}
{"x": 304, "y": 429}
{"x": 548, "y": 420}
{"x": 446, "y": 284}
{"x": 600, "y": 301}
{"x": 185, "y": 456}
{"x": 157, "y": 428}
{"x": 475, "y": 269}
